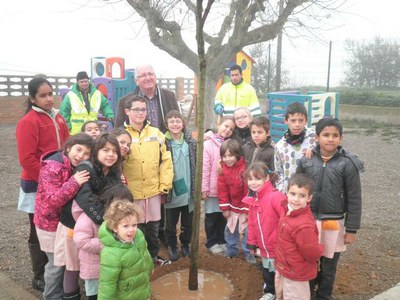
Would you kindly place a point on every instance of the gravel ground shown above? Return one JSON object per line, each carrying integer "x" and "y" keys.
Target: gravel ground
{"x": 370, "y": 266}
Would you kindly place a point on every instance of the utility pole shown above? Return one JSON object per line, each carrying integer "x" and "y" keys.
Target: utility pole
{"x": 269, "y": 67}
{"x": 279, "y": 54}
{"x": 329, "y": 66}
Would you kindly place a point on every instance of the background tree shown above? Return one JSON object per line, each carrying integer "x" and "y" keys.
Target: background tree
{"x": 373, "y": 64}
{"x": 259, "y": 74}
{"x": 231, "y": 25}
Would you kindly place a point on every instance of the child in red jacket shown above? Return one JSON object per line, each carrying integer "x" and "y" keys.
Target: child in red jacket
{"x": 297, "y": 249}
{"x": 41, "y": 129}
{"x": 265, "y": 209}
{"x": 232, "y": 188}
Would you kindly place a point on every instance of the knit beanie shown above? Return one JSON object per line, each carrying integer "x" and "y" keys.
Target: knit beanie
{"x": 81, "y": 75}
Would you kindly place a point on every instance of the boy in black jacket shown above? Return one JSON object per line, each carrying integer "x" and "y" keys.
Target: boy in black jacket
{"x": 336, "y": 204}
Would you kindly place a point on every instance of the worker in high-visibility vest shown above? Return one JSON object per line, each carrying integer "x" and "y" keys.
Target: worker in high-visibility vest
{"x": 83, "y": 103}
{"x": 235, "y": 94}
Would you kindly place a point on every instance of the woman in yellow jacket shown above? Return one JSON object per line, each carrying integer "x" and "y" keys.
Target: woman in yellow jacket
{"x": 148, "y": 171}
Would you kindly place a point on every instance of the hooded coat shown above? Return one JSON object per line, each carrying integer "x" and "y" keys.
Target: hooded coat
{"x": 297, "y": 249}
{"x": 125, "y": 268}
{"x": 337, "y": 187}
{"x": 56, "y": 188}
{"x": 265, "y": 209}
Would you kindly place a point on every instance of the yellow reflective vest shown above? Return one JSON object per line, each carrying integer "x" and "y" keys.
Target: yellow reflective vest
{"x": 79, "y": 114}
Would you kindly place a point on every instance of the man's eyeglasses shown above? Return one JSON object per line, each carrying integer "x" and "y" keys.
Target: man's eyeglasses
{"x": 138, "y": 110}
{"x": 149, "y": 74}
{"x": 241, "y": 118}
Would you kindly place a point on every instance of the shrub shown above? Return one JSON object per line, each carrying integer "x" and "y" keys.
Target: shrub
{"x": 369, "y": 97}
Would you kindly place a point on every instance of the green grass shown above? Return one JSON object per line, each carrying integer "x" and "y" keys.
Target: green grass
{"x": 370, "y": 131}
{"x": 354, "y": 123}
{"x": 386, "y": 132}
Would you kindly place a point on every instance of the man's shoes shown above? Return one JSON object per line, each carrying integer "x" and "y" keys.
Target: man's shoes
{"x": 217, "y": 250}
{"x": 250, "y": 259}
{"x": 173, "y": 253}
{"x": 185, "y": 250}
{"x": 159, "y": 261}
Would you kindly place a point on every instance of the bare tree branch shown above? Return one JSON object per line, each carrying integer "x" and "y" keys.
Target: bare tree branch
{"x": 231, "y": 25}
{"x": 165, "y": 34}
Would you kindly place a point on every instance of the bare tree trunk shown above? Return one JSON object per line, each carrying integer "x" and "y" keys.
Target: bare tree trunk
{"x": 194, "y": 258}
{"x": 209, "y": 115}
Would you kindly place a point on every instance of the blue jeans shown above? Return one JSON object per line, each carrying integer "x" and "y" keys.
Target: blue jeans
{"x": 53, "y": 278}
{"x": 232, "y": 241}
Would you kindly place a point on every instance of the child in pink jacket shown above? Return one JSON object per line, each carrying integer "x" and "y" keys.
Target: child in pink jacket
{"x": 265, "y": 209}
{"x": 57, "y": 186}
{"x": 87, "y": 241}
{"x": 214, "y": 220}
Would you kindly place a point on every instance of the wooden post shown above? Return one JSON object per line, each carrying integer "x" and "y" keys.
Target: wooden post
{"x": 190, "y": 111}
{"x": 179, "y": 88}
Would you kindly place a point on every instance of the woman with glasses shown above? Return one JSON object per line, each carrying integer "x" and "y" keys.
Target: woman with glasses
{"x": 242, "y": 117}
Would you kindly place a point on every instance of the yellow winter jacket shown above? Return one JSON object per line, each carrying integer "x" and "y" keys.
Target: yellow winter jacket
{"x": 148, "y": 169}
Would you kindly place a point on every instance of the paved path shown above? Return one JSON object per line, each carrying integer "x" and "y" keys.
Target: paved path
{"x": 390, "y": 294}
{"x": 9, "y": 290}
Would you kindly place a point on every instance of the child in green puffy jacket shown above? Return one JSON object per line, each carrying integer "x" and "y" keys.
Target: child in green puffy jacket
{"x": 125, "y": 263}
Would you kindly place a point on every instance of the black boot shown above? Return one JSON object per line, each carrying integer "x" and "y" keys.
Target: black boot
{"x": 38, "y": 260}
{"x": 94, "y": 297}
{"x": 72, "y": 296}
{"x": 269, "y": 280}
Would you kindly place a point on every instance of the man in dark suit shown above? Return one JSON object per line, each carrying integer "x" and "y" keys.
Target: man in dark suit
{"x": 160, "y": 100}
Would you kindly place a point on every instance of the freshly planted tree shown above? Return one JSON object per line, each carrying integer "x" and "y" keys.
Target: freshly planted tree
{"x": 201, "y": 17}
{"x": 231, "y": 25}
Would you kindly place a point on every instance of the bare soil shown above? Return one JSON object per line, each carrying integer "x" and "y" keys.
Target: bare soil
{"x": 367, "y": 268}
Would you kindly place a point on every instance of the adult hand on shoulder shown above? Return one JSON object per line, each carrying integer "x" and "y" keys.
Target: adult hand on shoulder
{"x": 349, "y": 238}
{"x": 82, "y": 177}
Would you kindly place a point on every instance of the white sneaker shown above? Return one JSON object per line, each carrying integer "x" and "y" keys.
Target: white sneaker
{"x": 216, "y": 250}
{"x": 268, "y": 296}
{"x": 224, "y": 247}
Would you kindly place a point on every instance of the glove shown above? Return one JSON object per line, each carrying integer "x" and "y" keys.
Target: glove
{"x": 219, "y": 108}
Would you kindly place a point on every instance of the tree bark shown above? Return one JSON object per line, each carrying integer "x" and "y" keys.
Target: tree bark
{"x": 201, "y": 17}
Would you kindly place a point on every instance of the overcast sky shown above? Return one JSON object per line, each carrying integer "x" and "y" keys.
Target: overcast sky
{"x": 58, "y": 37}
